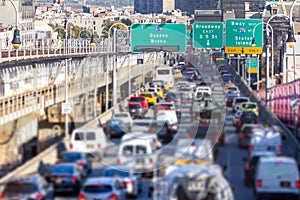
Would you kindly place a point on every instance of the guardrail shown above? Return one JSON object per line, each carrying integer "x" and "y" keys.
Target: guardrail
{"x": 268, "y": 117}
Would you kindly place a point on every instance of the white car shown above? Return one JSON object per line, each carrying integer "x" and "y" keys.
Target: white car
{"x": 125, "y": 117}
{"x": 131, "y": 181}
{"x": 277, "y": 176}
{"x": 102, "y": 188}
{"x": 203, "y": 89}
{"x": 237, "y": 101}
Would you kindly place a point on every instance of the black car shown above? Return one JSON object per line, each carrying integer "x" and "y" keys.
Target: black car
{"x": 227, "y": 78}
{"x": 33, "y": 188}
{"x": 79, "y": 158}
{"x": 115, "y": 128}
{"x": 247, "y": 117}
{"x": 65, "y": 177}
{"x": 162, "y": 129}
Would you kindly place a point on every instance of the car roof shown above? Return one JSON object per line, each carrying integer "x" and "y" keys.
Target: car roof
{"x": 28, "y": 178}
{"x": 65, "y": 164}
{"x": 118, "y": 167}
{"x": 262, "y": 153}
{"x": 100, "y": 180}
{"x": 272, "y": 159}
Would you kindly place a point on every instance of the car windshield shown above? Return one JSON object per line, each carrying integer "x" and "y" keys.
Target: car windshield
{"x": 72, "y": 156}
{"x": 115, "y": 172}
{"x": 20, "y": 188}
{"x": 62, "y": 169}
{"x": 97, "y": 188}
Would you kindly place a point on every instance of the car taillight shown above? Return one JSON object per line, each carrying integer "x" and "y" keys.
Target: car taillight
{"x": 257, "y": 122}
{"x": 118, "y": 161}
{"x": 257, "y": 110}
{"x": 104, "y": 128}
{"x": 113, "y": 196}
{"x": 251, "y": 148}
{"x": 71, "y": 146}
{"x": 38, "y": 196}
{"x": 81, "y": 197}
{"x": 239, "y": 122}
{"x": 217, "y": 137}
{"x": 128, "y": 182}
{"x": 74, "y": 179}
{"x": 297, "y": 184}
{"x": 150, "y": 160}
{"x": 280, "y": 148}
{"x": 2, "y": 196}
{"x": 259, "y": 183}
{"x": 168, "y": 128}
{"x": 247, "y": 166}
{"x": 232, "y": 80}
{"x": 150, "y": 129}
{"x": 99, "y": 145}
{"x": 80, "y": 164}
{"x": 242, "y": 136}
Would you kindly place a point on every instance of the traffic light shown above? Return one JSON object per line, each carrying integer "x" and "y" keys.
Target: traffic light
{"x": 16, "y": 42}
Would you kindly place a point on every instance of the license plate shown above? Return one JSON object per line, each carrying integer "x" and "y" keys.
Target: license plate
{"x": 285, "y": 184}
{"x": 140, "y": 161}
{"x": 90, "y": 146}
{"x": 58, "y": 181}
{"x": 195, "y": 186}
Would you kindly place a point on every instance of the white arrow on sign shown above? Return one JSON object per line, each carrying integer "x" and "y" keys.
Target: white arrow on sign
{"x": 207, "y": 43}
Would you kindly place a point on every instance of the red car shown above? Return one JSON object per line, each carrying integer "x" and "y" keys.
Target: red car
{"x": 141, "y": 100}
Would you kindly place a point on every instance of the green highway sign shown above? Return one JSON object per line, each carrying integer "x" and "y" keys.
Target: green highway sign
{"x": 252, "y": 65}
{"x": 239, "y": 35}
{"x": 158, "y": 37}
{"x": 208, "y": 35}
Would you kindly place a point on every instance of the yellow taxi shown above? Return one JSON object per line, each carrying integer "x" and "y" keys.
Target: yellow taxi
{"x": 160, "y": 92}
{"x": 150, "y": 97}
{"x": 227, "y": 86}
{"x": 249, "y": 106}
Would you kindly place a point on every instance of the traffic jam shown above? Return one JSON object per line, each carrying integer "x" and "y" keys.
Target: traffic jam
{"x": 175, "y": 139}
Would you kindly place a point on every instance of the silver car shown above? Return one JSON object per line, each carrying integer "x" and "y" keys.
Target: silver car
{"x": 131, "y": 181}
{"x": 102, "y": 188}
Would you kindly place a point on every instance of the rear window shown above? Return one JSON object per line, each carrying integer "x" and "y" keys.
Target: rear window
{"x": 20, "y": 188}
{"x": 97, "y": 188}
{"x": 128, "y": 150}
{"x": 115, "y": 172}
{"x": 72, "y": 156}
{"x": 248, "y": 116}
{"x": 79, "y": 136}
{"x": 279, "y": 168}
{"x": 141, "y": 149}
{"x": 134, "y": 106}
{"x": 241, "y": 100}
{"x": 121, "y": 115}
{"x": 147, "y": 95}
{"x": 247, "y": 129}
{"x": 163, "y": 71}
{"x": 137, "y": 99}
{"x": 227, "y": 77}
{"x": 59, "y": 169}
{"x": 90, "y": 136}
{"x": 248, "y": 105}
{"x": 114, "y": 122}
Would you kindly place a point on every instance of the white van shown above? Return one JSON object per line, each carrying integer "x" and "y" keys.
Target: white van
{"x": 266, "y": 139}
{"x": 169, "y": 116}
{"x": 138, "y": 153}
{"x": 277, "y": 176}
{"x": 91, "y": 141}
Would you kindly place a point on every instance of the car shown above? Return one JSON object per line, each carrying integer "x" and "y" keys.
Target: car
{"x": 140, "y": 99}
{"x": 163, "y": 106}
{"x": 136, "y": 110}
{"x": 65, "y": 177}
{"x": 203, "y": 89}
{"x": 227, "y": 78}
{"x": 170, "y": 116}
{"x": 267, "y": 139}
{"x": 80, "y": 158}
{"x": 125, "y": 117}
{"x": 27, "y": 187}
{"x": 160, "y": 83}
{"x": 91, "y": 141}
{"x": 247, "y": 117}
{"x": 230, "y": 98}
{"x": 233, "y": 89}
{"x": 237, "y": 101}
{"x": 151, "y": 98}
{"x": 102, "y": 188}
{"x": 245, "y": 134}
{"x": 236, "y": 117}
{"x": 115, "y": 128}
{"x": 277, "y": 177}
{"x": 156, "y": 90}
{"x": 162, "y": 129}
{"x": 173, "y": 97}
{"x": 130, "y": 180}
{"x": 249, "y": 106}
{"x": 251, "y": 165}
{"x": 227, "y": 86}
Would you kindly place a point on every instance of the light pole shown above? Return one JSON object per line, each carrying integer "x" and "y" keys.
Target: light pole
{"x": 267, "y": 45}
{"x": 291, "y": 41}
{"x": 115, "y": 89}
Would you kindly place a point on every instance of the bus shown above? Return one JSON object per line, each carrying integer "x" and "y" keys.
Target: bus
{"x": 166, "y": 74}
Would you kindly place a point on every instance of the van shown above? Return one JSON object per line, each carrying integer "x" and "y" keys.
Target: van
{"x": 267, "y": 139}
{"x": 91, "y": 141}
{"x": 277, "y": 176}
{"x": 169, "y": 116}
{"x": 138, "y": 153}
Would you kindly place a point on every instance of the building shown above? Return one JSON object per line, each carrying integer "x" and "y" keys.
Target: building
{"x": 25, "y": 12}
{"x": 148, "y": 6}
{"x": 208, "y": 15}
{"x": 189, "y": 6}
{"x": 168, "y": 5}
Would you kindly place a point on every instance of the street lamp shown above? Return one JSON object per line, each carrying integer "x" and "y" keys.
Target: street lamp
{"x": 16, "y": 41}
{"x": 291, "y": 41}
{"x": 267, "y": 45}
